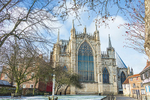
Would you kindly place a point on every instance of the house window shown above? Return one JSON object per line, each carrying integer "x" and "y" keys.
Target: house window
{"x": 133, "y": 85}
{"x": 24, "y": 86}
{"x": 137, "y": 78}
{"x": 124, "y": 85}
{"x": 31, "y": 86}
{"x": 131, "y": 79}
{"x": 5, "y": 76}
{"x": 141, "y": 84}
{"x": 146, "y": 88}
{"x": 146, "y": 74}
{"x": 134, "y": 91}
{"x": 142, "y": 91}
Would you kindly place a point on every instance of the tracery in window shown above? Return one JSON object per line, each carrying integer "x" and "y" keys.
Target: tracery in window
{"x": 105, "y": 76}
{"x": 85, "y": 63}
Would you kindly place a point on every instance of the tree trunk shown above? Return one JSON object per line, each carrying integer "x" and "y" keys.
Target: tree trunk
{"x": 58, "y": 87}
{"x": 147, "y": 28}
{"x": 66, "y": 89}
{"x": 35, "y": 86}
{"x": 17, "y": 87}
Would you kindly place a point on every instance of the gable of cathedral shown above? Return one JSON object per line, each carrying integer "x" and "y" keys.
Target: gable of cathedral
{"x": 100, "y": 72}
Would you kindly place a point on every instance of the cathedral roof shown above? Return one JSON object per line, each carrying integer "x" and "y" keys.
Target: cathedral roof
{"x": 119, "y": 61}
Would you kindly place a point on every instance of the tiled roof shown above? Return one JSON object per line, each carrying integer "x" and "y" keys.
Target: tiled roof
{"x": 135, "y": 75}
{"x": 127, "y": 80}
{"x": 147, "y": 65}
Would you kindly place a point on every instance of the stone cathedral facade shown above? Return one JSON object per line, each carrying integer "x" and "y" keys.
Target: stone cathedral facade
{"x": 101, "y": 72}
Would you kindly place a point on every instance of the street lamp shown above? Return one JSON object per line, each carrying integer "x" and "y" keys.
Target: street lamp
{"x": 53, "y": 91}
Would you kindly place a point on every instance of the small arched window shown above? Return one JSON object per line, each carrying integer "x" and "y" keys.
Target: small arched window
{"x": 105, "y": 76}
{"x": 65, "y": 68}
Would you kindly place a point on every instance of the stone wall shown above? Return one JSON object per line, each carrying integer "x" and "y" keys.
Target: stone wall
{"x": 89, "y": 88}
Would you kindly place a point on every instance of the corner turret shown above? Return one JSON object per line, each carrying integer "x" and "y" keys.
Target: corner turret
{"x": 96, "y": 33}
{"x": 85, "y": 30}
{"x": 58, "y": 37}
{"x": 128, "y": 72}
{"x": 131, "y": 72}
{"x": 72, "y": 30}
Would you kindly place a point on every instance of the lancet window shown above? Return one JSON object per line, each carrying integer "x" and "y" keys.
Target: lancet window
{"x": 85, "y": 63}
{"x": 105, "y": 76}
{"x": 123, "y": 77}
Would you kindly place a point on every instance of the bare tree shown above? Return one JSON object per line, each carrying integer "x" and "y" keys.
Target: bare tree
{"x": 43, "y": 73}
{"x": 18, "y": 63}
{"x": 65, "y": 78}
{"x": 29, "y": 20}
{"x": 135, "y": 29}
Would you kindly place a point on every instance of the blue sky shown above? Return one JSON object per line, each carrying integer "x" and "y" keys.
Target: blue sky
{"x": 130, "y": 57}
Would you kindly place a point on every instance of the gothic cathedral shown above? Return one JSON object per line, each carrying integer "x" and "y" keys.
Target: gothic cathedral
{"x": 101, "y": 72}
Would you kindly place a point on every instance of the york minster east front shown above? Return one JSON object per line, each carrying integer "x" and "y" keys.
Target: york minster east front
{"x": 101, "y": 72}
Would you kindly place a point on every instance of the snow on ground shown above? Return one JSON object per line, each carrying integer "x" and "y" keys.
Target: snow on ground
{"x": 79, "y": 97}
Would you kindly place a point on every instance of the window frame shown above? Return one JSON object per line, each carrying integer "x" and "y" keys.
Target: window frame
{"x": 105, "y": 76}
{"x": 86, "y": 63}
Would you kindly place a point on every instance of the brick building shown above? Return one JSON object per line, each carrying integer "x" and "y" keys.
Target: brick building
{"x": 31, "y": 83}
{"x": 134, "y": 87}
{"x": 145, "y": 76}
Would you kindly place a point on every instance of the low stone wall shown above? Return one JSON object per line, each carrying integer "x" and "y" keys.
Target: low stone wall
{"x": 89, "y": 88}
{"x": 109, "y": 89}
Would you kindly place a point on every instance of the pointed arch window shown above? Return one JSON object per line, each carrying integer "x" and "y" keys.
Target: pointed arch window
{"x": 85, "y": 63}
{"x": 123, "y": 77}
{"x": 105, "y": 76}
{"x": 65, "y": 68}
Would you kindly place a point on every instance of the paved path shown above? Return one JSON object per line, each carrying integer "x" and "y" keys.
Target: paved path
{"x": 122, "y": 98}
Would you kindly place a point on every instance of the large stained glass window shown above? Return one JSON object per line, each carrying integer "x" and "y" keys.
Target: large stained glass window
{"x": 123, "y": 78}
{"x": 86, "y": 63}
{"x": 105, "y": 76}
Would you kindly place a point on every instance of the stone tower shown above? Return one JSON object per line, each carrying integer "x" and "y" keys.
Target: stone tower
{"x": 110, "y": 49}
{"x": 73, "y": 54}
